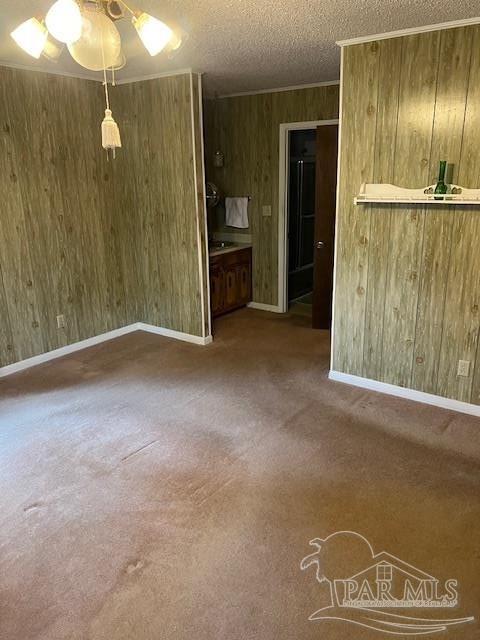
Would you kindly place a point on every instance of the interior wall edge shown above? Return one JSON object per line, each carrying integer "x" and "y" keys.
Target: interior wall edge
{"x": 200, "y": 200}
{"x": 336, "y": 243}
{"x": 208, "y": 307}
{"x": 199, "y": 241}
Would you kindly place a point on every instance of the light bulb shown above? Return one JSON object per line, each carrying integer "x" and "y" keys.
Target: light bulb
{"x": 64, "y": 21}
{"x": 31, "y": 36}
{"x": 154, "y": 33}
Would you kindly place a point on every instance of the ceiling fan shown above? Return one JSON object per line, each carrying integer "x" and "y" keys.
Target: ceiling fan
{"x": 87, "y": 28}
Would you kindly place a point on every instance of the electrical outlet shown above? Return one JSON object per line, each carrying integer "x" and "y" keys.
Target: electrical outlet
{"x": 266, "y": 211}
{"x": 463, "y": 368}
{"x": 60, "y": 322}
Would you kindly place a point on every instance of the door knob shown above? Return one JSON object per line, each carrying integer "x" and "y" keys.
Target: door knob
{"x": 320, "y": 245}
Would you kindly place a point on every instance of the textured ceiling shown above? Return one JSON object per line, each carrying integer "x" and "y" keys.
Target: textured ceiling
{"x": 248, "y": 45}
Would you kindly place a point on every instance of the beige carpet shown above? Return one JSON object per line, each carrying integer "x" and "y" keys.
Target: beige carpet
{"x": 153, "y": 489}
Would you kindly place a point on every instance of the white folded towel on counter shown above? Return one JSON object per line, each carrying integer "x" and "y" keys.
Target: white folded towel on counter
{"x": 236, "y": 212}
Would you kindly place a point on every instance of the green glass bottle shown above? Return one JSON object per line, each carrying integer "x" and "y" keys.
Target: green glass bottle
{"x": 441, "y": 187}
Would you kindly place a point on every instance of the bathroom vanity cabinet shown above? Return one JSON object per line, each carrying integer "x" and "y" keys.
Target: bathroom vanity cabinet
{"x": 230, "y": 280}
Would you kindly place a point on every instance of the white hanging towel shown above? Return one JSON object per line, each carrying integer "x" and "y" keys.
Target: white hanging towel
{"x": 236, "y": 212}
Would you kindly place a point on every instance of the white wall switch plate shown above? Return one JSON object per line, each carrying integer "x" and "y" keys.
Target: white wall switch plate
{"x": 60, "y": 322}
{"x": 463, "y": 368}
{"x": 266, "y": 210}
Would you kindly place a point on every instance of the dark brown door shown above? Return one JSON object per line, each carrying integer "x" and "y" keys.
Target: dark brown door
{"x": 324, "y": 237}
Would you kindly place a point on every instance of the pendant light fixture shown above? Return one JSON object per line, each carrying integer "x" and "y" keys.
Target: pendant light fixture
{"x": 88, "y": 28}
{"x": 68, "y": 22}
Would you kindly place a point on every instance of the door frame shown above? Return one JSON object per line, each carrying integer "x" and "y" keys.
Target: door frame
{"x": 283, "y": 180}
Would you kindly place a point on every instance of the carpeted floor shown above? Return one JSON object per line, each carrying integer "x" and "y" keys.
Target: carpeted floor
{"x": 153, "y": 489}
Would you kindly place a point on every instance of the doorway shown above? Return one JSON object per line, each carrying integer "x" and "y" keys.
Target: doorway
{"x": 301, "y": 217}
{"x": 308, "y": 173}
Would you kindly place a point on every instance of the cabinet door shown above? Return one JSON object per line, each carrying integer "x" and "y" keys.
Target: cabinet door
{"x": 217, "y": 290}
{"x": 231, "y": 289}
{"x": 244, "y": 279}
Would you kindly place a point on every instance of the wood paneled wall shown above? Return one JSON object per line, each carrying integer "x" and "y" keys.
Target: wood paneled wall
{"x": 103, "y": 243}
{"x": 408, "y": 278}
{"x": 247, "y": 130}
{"x": 162, "y": 171}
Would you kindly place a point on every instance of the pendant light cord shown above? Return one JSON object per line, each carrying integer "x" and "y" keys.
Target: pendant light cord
{"x": 105, "y": 82}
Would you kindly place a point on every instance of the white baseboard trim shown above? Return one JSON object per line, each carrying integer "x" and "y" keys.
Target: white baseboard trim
{"x": 64, "y": 351}
{"x": 171, "y": 333}
{"x": 104, "y": 337}
{"x": 409, "y": 394}
{"x": 264, "y": 307}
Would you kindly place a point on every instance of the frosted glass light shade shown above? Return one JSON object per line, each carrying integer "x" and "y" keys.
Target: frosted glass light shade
{"x": 31, "y": 36}
{"x": 87, "y": 50}
{"x": 64, "y": 21}
{"x": 154, "y": 33}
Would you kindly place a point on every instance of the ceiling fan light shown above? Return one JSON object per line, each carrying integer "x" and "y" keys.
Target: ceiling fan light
{"x": 64, "y": 21}
{"x": 31, "y": 36}
{"x": 154, "y": 33}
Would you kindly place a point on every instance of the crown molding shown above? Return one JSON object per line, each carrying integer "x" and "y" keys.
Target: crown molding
{"x": 296, "y": 87}
{"x": 408, "y": 32}
{"x": 155, "y": 76}
{"x": 96, "y": 77}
